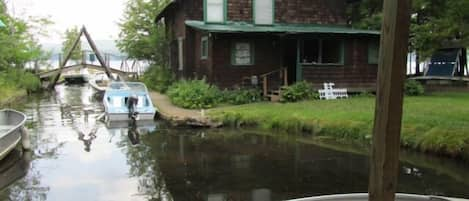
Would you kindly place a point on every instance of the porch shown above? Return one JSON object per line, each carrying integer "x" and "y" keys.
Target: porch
{"x": 233, "y": 53}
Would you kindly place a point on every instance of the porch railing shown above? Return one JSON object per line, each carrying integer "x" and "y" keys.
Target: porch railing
{"x": 272, "y": 80}
{"x": 269, "y": 81}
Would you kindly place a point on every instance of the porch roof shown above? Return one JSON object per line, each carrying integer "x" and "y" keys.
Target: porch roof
{"x": 243, "y": 27}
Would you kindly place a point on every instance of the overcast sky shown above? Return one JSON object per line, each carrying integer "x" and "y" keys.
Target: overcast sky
{"x": 99, "y": 16}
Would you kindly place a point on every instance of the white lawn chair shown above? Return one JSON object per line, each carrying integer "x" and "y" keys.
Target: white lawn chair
{"x": 329, "y": 93}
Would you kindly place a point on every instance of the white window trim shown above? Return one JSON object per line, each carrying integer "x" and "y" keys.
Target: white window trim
{"x": 202, "y": 56}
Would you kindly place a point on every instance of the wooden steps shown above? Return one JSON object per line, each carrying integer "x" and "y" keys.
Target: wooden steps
{"x": 274, "y": 95}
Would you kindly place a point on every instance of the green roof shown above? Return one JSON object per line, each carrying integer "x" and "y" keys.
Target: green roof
{"x": 2, "y": 24}
{"x": 243, "y": 27}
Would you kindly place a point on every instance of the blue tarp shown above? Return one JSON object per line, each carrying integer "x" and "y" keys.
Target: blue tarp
{"x": 446, "y": 69}
{"x": 443, "y": 63}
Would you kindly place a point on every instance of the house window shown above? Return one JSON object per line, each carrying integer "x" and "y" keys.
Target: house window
{"x": 204, "y": 47}
{"x": 322, "y": 51}
{"x": 242, "y": 54}
{"x": 180, "y": 54}
{"x": 373, "y": 52}
{"x": 215, "y": 11}
{"x": 264, "y": 12}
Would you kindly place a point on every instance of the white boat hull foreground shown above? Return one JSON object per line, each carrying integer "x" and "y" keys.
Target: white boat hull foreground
{"x": 11, "y": 130}
{"x": 364, "y": 197}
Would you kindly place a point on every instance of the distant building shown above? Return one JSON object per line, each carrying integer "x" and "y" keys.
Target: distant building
{"x": 228, "y": 40}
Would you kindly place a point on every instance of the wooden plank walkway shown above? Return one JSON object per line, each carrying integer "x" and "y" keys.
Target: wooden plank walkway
{"x": 180, "y": 116}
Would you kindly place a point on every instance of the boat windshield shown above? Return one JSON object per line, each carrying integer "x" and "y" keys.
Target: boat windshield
{"x": 133, "y": 86}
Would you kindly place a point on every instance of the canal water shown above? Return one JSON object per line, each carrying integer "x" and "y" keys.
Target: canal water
{"x": 76, "y": 157}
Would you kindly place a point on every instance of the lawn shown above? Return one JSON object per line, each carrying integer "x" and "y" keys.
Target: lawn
{"x": 8, "y": 94}
{"x": 436, "y": 123}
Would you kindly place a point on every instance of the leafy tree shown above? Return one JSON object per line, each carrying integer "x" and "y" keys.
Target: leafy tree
{"x": 71, "y": 36}
{"x": 18, "y": 43}
{"x": 139, "y": 37}
{"x": 439, "y": 23}
{"x": 19, "y": 46}
{"x": 435, "y": 23}
{"x": 365, "y": 14}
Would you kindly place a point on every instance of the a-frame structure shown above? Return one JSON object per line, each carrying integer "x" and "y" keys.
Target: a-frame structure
{"x": 69, "y": 54}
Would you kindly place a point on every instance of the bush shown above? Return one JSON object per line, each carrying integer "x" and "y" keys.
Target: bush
{"x": 242, "y": 96}
{"x": 413, "y": 88}
{"x": 194, "y": 94}
{"x": 298, "y": 91}
{"x": 20, "y": 79}
{"x": 158, "y": 78}
{"x": 30, "y": 82}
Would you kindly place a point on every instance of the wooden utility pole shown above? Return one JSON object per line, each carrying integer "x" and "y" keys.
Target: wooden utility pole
{"x": 384, "y": 166}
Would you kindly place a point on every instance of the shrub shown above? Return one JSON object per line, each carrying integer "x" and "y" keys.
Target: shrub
{"x": 413, "y": 88}
{"x": 158, "y": 78}
{"x": 298, "y": 91}
{"x": 20, "y": 79}
{"x": 30, "y": 82}
{"x": 194, "y": 94}
{"x": 242, "y": 96}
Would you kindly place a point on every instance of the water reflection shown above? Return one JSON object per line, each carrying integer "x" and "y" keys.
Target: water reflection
{"x": 232, "y": 165}
{"x": 149, "y": 161}
{"x": 13, "y": 167}
{"x": 133, "y": 133}
{"x": 87, "y": 139}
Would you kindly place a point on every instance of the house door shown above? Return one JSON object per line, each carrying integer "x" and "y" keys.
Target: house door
{"x": 290, "y": 56}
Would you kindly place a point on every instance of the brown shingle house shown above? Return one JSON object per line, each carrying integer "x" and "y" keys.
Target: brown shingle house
{"x": 226, "y": 41}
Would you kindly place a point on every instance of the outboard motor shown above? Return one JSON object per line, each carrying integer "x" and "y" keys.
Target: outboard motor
{"x": 132, "y": 106}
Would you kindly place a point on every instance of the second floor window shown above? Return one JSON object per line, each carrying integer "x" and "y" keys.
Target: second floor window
{"x": 264, "y": 12}
{"x": 215, "y": 11}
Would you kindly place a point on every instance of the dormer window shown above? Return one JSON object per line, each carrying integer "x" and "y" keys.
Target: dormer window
{"x": 215, "y": 11}
{"x": 264, "y": 12}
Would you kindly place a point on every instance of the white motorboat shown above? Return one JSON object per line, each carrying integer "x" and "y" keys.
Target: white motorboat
{"x": 116, "y": 102}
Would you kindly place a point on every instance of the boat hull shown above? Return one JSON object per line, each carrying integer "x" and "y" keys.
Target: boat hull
{"x": 364, "y": 197}
{"x": 76, "y": 79}
{"x": 125, "y": 116}
{"x": 116, "y": 98}
{"x": 11, "y": 123}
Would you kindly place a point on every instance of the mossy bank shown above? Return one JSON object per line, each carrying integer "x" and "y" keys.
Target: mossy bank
{"x": 437, "y": 123}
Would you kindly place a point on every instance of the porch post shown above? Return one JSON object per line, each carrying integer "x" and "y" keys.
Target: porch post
{"x": 299, "y": 67}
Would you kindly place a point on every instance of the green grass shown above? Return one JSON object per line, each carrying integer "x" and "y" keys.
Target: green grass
{"x": 9, "y": 94}
{"x": 436, "y": 123}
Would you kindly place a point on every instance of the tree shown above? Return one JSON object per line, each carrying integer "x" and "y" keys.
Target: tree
{"x": 439, "y": 23}
{"x": 435, "y": 23}
{"x": 71, "y": 35}
{"x": 18, "y": 43}
{"x": 139, "y": 37}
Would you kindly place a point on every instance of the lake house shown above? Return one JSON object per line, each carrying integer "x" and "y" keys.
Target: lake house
{"x": 279, "y": 41}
